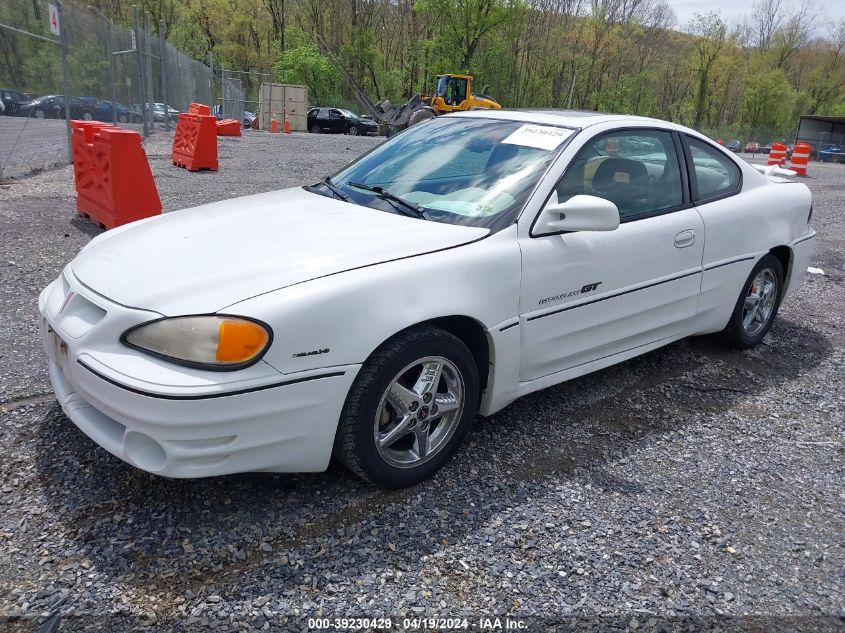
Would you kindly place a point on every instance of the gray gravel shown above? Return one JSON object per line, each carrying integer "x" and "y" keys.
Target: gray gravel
{"x": 692, "y": 488}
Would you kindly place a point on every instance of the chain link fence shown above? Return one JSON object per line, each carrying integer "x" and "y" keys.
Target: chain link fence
{"x": 128, "y": 75}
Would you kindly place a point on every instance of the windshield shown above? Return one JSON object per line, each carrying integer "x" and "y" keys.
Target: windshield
{"x": 477, "y": 172}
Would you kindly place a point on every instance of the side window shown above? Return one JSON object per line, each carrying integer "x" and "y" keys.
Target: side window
{"x": 637, "y": 170}
{"x": 335, "y": 114}
{"x": 712, "y": 173}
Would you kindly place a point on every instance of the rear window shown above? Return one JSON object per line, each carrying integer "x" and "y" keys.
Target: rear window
{"x": 713, "y": 174}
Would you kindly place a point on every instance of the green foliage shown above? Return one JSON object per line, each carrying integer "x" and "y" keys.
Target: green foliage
{"x": 302, "y": 63}
{"x": 769, "y": 103}
{"x": 609, "y": 55}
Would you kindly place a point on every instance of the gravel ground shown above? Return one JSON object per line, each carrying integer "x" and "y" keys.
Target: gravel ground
{"x": 29, "y": 146}
{"x": 691, "y": 488}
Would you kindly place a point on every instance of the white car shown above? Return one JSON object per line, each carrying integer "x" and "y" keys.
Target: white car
{"x": 468, "y": 261}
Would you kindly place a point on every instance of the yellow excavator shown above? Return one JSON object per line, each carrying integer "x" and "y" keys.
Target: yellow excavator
{"x": 453, "y": 93}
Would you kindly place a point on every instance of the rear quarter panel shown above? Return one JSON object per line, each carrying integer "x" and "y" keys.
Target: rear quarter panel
{"x": 745, "y": 227}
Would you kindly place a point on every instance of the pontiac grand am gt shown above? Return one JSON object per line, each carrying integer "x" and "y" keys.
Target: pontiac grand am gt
{"x": 466, "y": 262}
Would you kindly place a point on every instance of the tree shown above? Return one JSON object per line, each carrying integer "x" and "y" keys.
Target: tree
{"x": 710, "y": 32}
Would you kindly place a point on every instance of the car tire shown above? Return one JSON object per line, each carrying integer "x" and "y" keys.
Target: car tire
{"x": 315, "y": 129}
{"x": 122, "y": 118}
{"x": 352, "y": 131}
{"x": 39, "y": 114}
{"x": 87, "y": 116}
{"x": 757, "y": 306}
{"x": 390, "y": 395}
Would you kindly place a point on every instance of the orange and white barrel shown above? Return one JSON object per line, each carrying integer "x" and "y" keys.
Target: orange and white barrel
{"x": 800, "y": 158}
{"x": 778, "y": 154}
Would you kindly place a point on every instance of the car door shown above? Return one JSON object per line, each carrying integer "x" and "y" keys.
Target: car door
{"x": 732, "y": 226}
{"x": 590, "y": 295}
{"x": 336, "y": 121}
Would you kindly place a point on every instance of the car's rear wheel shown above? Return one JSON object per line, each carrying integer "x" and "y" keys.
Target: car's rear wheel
{"x": 409, "y": 408}
{"x": 757, "y": 306}
{"x": 315, "y": 129}
{"x": 87, "y": 116}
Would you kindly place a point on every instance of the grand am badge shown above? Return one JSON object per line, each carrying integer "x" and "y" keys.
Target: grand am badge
{"x": 584, "y": 289}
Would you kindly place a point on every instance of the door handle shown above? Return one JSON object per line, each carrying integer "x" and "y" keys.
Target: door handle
{"x": 685, "y": 238}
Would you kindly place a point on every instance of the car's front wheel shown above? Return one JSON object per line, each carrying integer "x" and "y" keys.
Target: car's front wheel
{"x": 122, "y": 118}
{"x": 757, "y": 306}
{"x": 409, "y": 408}
{"x": 352, "y": 131}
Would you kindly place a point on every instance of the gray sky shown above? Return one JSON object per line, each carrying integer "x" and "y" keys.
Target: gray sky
{"x": 732, "y": 9}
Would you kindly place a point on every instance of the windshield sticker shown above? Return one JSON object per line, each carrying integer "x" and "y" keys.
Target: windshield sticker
{"x": 539, "y": 136}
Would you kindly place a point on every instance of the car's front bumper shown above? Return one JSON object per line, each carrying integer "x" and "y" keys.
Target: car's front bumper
{"x": 184, "y": 424}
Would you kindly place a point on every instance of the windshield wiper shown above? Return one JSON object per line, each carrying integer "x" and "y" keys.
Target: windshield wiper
{"x": 412, "y": 209}
{"x": 335, "y": 189}
{"x": 328, "y": 184}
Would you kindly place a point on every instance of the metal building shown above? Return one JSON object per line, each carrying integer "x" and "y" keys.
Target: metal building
{"x": 821, "y": 131}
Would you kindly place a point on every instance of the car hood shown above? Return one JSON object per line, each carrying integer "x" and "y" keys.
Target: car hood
{"x": 206, "y": 258}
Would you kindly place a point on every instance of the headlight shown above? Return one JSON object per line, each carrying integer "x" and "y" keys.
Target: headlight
{"x": 209, "y": 342}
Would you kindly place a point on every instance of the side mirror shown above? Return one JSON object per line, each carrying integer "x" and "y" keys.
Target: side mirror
{"x": 579, "y": 213}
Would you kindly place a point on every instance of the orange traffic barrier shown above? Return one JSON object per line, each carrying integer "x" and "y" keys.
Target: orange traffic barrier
{"x": 777, "y": 155}
{"x": 274, "y": 124}
{"x": 195, "y": 142}
{"x": 228, "y": 127}
{"x": 199, "y": 108}
{"x": 114, "y": 184}
{"x": 286, "y": 126}
{"x": 800, "y": 158}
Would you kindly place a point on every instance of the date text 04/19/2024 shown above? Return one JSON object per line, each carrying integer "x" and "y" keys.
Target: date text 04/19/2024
{"x": 417, "y": 624}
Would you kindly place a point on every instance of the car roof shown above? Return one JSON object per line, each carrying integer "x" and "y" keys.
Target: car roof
{"x": 566, "y": 118}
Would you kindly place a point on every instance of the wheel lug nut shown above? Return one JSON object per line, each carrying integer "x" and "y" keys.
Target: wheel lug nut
{"x": 433, "y": 409}
{"x": 427, "y": 397}
{"x": 414, "y": 405}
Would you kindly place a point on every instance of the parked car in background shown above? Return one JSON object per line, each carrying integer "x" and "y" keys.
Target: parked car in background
{"x": 102, "y": 110}
{"x": 734, "y": 146}
{"x": 159, "y": 111}
{"x": 515, "y": 250}
{"x": 766, "y": 149}
{"x": 53, "y": 107}
{"x": 339, "y": 121}
{"x": 249, "y": 117}
{"x": 11, "y": 100}
{"x": 752, "y": 147}
{"x": 832, "y": 154}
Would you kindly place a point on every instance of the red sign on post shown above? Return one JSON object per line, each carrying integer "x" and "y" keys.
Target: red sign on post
{"x": 53, "y": 13}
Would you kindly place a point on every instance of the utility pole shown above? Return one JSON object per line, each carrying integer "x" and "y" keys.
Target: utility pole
{"x": 63, "y": 55}
{"x": 136, "y": 33}
{"x": 150, "y": 94}
{"x": 162, "y": 54}
{"x": 110, "y": 44}
{"x": 211, "y": 66}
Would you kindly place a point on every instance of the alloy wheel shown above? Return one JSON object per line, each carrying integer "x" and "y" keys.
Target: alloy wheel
{"x": 759, "y": 302}
{"x": 419, "y": 412}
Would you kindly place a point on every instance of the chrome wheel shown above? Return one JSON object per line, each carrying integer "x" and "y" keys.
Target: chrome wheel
{"x": 759, "y": 302}
{"x": 353, "y": 131}
{"x": 419, "y": 412}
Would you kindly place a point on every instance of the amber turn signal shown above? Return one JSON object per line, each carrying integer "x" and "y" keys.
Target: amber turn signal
{"x": 239, "y": 341}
